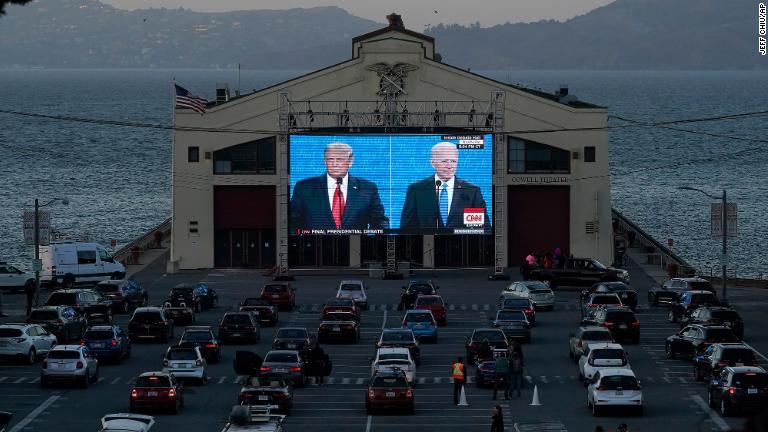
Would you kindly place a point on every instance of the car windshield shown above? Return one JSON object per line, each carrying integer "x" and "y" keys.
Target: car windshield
{"x": 197, "y": 336}
{"x": 703, "y": 285}
{"x": 280, "y": 357}
{"x": 339, "y": 317}
{"x": 395, "y": 382}
{"x": 236, "y": 319}
{"x": 738, "y": 355}
{"x": 275, "y": 289}
{"x": 597, "y": 335}
{"x": 515, "y": 303}
{"x": 750, "y": 379}
{"x": 61, "y": 299}
{"x": 491, "y": 335}
{"x": 340, "y": 302}
{"x": 45, "y": 315}
{"x": 107, "y": 288}
{"x": 9, "y": 332}
{"x": 292, "y": 334}
{"x": 393, "y": 356}
{"x": 606, "y": 300}
{"x": 418, "y": 317}
{"x": 181, "y": 354}
{"x": 64, "y": 355}
{"x": 146, "y": 317}
{"x": 99, "y": 334}
{"x": 397, "y": 337}
{"x": 614, "y": 382}
{"x": 429, "y": 301}
{"x": 721, "y": 335}
{"x": 510, "y": 316}
{"x": 153, "y": 381}
{"x": 420, "y": 288}
{"x": 351, "y": 287}
{"x": 608, "y": 354}
{"x": 536, "y": 285}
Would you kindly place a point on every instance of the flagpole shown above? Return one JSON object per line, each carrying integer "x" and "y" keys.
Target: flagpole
{"x": 173, "y": 166}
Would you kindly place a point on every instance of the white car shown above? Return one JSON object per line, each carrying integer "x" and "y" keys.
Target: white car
{"x": 599, "y": 356}
{"x": 14, "y": 279}
{"x": 72, "y": 363}
{"x": 614, "y": 387}
{"x": 388, "y": 359}
{"x": 185, "y": 362}
{"x": 123, "y": 422}
{"x": 355, "y": 290}
{"x": 26, "y": 341}
{"x": 538, "y": 292}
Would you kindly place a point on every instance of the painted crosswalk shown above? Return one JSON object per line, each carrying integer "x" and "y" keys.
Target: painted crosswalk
{"x": 486, "y": 307}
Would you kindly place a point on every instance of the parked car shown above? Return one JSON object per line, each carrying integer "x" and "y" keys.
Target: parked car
{"x": 15, "y": 280}
{"x": 495, "y": 337}
{"x": 627, "y": 295}
{"x": 179, "y": 311}
{"x": 620, "y": 320}
{"x": 282, "y": 295}
{"x": 718, "y": 356}
{"x": 389, "y": 390}
{"x": 694, "y": 339}
{"x": 294, "y": 338}
{"x": 671, "y": 290}
{"x": 121, "y": 422}
{"x": 73, "y": 363}
{"x": 150, "y": 323}
{"x": 400, "y": 338}
{"x": 415, "y": 288}
{"x": 739, "y": 389}
{"x": 436, "y": 305}
{"x": 186, "y": 363}
{"x": 422, "y": 323}
{"x": 288, "y": 364}
{"x": 63, "y": 321}
{"x": 595, "y": 301}
{"x": 123, "y": 295}
{"x": 538, "y": 292}
{"x": 339, "y": 325}
{"x": 514, "y": 324}
{"x": 341, "y": 305}
{"x": 601, "y": 356}
{"x": 5, "y": 418}
{"x": 267, "y": 391}
{"x": 154, "y": 390}
{"x": 717, "y": 315}
{"x": 239, "y": 326}
{"x": 355, "y": 290}
{"x": 185, "y": 295}
{"x": 522, "y": 304}
{"x": 209, "y": 298}
{"x": 254, "y": 418}
{"x": 585, "y": 335}
{"x": 107, "y": 342}
{"x": 203, "y": 338}
{"x": 86, "y": 301}
{"x": 68, "y": 263}
{"x": 268, "y": 314}
{"x": 395, "y": 359}
{"x": 690, "y": 301}
{"x": 579, "y": 271}
{"x": 25, "y": 341}
{"x": 614, "y": 388}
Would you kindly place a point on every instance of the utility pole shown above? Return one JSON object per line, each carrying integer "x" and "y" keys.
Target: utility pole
{"x": 725, "y": 246}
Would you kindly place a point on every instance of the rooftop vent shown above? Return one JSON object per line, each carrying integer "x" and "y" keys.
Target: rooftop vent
{"x": 563, "y": 96}
{"x": 222, "y": 93}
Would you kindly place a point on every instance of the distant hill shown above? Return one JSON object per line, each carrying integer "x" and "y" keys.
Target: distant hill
{"x": 626, "y": 34}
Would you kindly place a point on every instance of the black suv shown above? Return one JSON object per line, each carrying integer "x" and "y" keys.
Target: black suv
{"x": 239, "y": 325}
{"x": 721, "y": 355}
{"x": 739, "y": 389}
{"x": 400, "y": 338}
{"x": 415, "y": 288}
{"x": 627, "y": 295}
{"x": 621, "y": 321}
{"x": 86, "y": 301}
{"x": 495, "y": 337}
{"x": 690, "y": 301}
{"x": 717, "y": 315}
{"x": 267, "y": 313}
{"x": 150, "y": 322}
{"x": 63, "y": 321}
{"x": 187, "y": 295}
{"x": 123, "y": 295}
{"x": 693, "y": 339}
{"x": 203, "y": 337}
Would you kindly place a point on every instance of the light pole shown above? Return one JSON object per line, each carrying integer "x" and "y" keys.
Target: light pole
{"x": 37, "y": 237}
{"x": 724, "y": 228}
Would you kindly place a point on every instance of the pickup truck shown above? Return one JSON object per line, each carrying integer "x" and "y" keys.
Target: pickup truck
{"x": 579, "y": 271}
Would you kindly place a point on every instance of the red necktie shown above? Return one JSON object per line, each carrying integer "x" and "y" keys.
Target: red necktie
{"x": 338, "y": 206}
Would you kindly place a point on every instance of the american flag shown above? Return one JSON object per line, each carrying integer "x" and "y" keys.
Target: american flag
{"x": 184, "y": 99}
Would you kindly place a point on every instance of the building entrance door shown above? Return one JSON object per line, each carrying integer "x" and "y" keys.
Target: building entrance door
{"x": 244, "y": 248}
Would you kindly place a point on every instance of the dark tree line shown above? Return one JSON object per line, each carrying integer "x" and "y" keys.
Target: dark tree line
{"x": 4, "y": 2}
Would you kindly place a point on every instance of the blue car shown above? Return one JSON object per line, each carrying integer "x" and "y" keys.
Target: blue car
{"x": 421, "y": 322}
{"x": 108, "y": 342}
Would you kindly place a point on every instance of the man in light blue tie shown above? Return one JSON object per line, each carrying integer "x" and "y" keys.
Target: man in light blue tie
{"x": 439, "y": 200}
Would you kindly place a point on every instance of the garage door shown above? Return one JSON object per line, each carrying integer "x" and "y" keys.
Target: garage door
{"x": 538, "y": 220}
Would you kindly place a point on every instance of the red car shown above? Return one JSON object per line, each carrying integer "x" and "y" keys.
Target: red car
{"x": 389, "y": 390}
{"x": 279, "y": 294}
{"x": 341, "y": 305}
{"x": 157, "y": 390}
{"x": 435, "y": 304}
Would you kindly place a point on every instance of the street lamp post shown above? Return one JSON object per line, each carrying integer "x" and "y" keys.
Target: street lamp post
{"x": 37, "y": 237}
{"x": 724, "y": 227}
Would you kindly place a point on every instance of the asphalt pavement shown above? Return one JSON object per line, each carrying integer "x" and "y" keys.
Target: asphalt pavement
{"x": 673, "y": 401}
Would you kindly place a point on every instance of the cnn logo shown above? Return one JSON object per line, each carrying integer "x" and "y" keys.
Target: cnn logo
{"x": 474, "y": 216}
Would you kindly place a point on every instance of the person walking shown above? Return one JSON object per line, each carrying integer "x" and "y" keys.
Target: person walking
{"x": 30, "y": 289}
{"x": 459, "y": 374}
{"x": 497, "y": 419}
{"x": 501, "y": 378}
{"x": 516, "y": 373}
{"x": 317, "y": 360}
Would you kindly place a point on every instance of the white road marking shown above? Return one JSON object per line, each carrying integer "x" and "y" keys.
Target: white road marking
{"x": 543, "y": 379}
{"x": 114, "y": 381}
{"x": 37, "y": 380}
{"x": 222, "y": 379}
{"x": 368, "y": 425}
{"x": 528, "y": 378}
{"x": 345, "y": 380}
{"x": 712, "y": 414}
{"x": 474, "y": 307}
{"x": 19, "y": 380}
{"x": 3, "y": 379}
{"x": 383, "y": 324}
{"x": 33, "y": 415}
{"x": 360, "y": 381}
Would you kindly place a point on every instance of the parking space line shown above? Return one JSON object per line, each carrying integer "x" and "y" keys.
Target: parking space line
{"x": 114, "y": 381}
{"x": 20, "y": 380}
{"x": 360, "y": 381}
{"x": 368, "y": 424}
{"x": 37, "y": 380}
{"x": 3, "y": 379}
{"x": 33, "y": 415}
{"x": 222, "y": 379}
{"x": 712, "y": 415}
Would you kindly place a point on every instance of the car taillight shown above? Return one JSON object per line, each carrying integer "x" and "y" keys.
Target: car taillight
{"x": 295, "y": 369}
{"x": 114, "y": 342}
{"x": 371, "y": 393}
{"x": 608, "y": 323}
{"x": 134, "y": 393}
{"x": 82, "y": 342}
{"x": 265, "y": 369}
{"x": 722, "y": 363}
{"x": 211, "y": 345}
{"x": 528, "y": 311}
{"x": 172, "y": 393}
{"x": 79, "y": 365}
{"x": 199, "y": 363}
{"x": 409, "y": 393}
{"x": 636, "y": 324}
{"x": 732, "y": 390}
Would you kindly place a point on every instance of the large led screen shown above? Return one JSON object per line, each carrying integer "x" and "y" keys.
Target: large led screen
{"x": 391, "y": 184}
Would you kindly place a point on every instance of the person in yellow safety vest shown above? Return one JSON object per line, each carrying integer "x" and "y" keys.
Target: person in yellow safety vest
{"x": 459, "y": 374}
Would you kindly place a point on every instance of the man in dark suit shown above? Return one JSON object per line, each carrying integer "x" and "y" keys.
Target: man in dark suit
{"x": 337, "y": 200}
{"x": 439, "y": 200}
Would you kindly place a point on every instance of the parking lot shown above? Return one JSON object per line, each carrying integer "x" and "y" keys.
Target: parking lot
{"x": 673, "y": 400}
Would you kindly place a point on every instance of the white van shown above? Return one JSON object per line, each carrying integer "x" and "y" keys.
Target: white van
{"x": 70, "y": 263}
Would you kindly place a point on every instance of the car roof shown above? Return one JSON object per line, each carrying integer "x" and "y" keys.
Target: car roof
{"x": 426, "y": 296}
{"x": 50, "y": 307}
{"x": 72, "y": 290}
{"x": 67, "y": 347}
{"x": 197, "y": 328}
{"x": 616, "y": 308}
{"x": 282, "y": 352}
{"x": 102, "y": 327}
{"x": 409, "y": 311}
{"x": 293, "y": 328}
{"x": 113, "y": 281}
{"x": 155, "y": 373}
{"x": 616, "y": 371}
{"x": 352, "y": 282}
{"x": 396, "y": 330}
{"x": 389, "y": 373}
{"x": 700, "y": 292}
{"x": 594, "y": 328}
{"x": 745, "y": 369}
{"x": 487, "y": 328}
{"x": 148, "y": 309}
{"x": 605, "y": 345}
{"x": 393, "y": 350}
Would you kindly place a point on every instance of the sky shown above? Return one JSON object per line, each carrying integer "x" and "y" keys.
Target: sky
{"x": 417, "y": 14}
